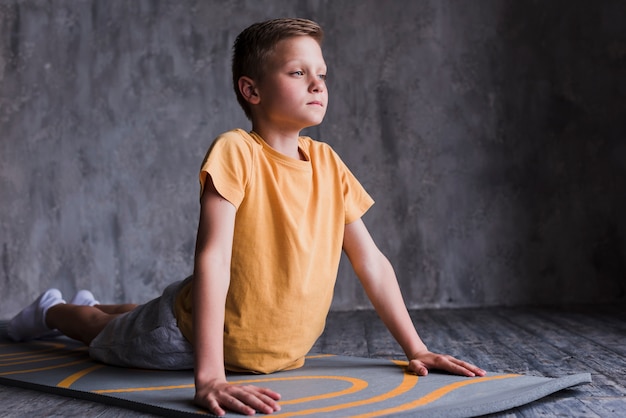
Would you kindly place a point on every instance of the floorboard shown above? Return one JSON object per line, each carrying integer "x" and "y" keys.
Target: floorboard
{"x": 537, "y": 341}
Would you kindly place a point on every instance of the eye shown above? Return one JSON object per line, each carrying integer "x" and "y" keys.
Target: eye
{"x": 298, "y": 73}
{"x": 322, "y": 77}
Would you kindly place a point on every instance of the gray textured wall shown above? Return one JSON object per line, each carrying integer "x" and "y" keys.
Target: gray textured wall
{"x": 491, "y": 134}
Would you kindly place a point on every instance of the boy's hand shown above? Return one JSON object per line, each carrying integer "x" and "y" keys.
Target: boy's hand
{"x": 421, "y": 362}
{"x": 217, "y": 396}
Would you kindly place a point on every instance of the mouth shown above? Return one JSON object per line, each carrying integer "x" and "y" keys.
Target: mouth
{"x": 316, "y": 103}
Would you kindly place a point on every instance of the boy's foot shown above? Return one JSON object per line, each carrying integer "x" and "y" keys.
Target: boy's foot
{"x": 30, "y": 323}
{"x": 85, "y": 298}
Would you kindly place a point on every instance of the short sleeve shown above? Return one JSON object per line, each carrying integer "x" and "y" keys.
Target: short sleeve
{"x": 228, "y": 161}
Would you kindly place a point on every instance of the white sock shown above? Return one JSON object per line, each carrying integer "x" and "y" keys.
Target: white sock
{"x": 85, "y": 298}
{"x": 30, "y": 323}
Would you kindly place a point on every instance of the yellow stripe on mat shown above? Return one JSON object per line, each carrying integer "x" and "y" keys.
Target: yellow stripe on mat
{"x": 357, "y": 385}
{"x": 433, "y": 396}
{"x": 147, "y": 389}
{"x": 41, "y": 369}
{"x": 69, "y": 381}
{"x": 408, "y": 382}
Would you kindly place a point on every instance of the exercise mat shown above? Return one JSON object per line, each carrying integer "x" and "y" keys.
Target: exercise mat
{"x": 328, "y": 385}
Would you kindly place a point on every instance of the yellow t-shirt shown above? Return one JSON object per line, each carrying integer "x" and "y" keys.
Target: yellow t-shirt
{"x": 288, "y": 237}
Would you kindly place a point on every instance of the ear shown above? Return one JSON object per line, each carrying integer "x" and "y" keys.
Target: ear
{"x": 248, "y": 90}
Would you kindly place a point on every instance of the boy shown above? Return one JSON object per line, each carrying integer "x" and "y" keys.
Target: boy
{"x": 276, "y": 211}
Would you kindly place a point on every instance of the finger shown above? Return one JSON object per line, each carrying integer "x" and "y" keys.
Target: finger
{"x": 254, "y": 397}
{"x": 451, "y": 365}
{"x": 474, "y": 369}
{"x": 236, "y": 405}
{"x": 263, "y": 403}
{"x": 465, "y": 369}
{"x": 215, "y": 409}
{"x": 268, "y": 392}
{"x": 418, "y": 368}
{"x": 211, "y": 404}
{"x": 269, "y": 401}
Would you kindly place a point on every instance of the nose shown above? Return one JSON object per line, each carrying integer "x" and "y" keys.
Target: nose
{"x": 317, "y": 84}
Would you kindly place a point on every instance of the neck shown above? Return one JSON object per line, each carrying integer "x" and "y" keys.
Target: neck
{"x": 284, "y": 142}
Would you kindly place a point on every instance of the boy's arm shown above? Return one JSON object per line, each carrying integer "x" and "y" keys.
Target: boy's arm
{"x": 379, "y": 281}
{"x": 210, "y": 286}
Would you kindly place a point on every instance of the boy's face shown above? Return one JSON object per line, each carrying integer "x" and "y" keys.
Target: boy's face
{"x": 292, "y": 90}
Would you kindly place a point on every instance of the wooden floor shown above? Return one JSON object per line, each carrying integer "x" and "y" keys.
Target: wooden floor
{"x": 534, "y": 341}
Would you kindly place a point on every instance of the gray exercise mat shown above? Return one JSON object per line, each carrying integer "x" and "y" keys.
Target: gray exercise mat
{"x": 330, "y": 386}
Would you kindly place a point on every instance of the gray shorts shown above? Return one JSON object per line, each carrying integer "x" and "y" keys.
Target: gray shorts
{"x": 146, "y": 337}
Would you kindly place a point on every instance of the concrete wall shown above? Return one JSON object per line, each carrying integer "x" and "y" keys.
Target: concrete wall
{"x": 491, "y": 134}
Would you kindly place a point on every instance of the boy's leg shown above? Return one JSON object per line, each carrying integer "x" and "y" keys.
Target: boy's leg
{"x": 86, "y": 298}
{"x": 116, "y": 309}
{"x": 78, "y": 322}
{"x": 83, "y": 323}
